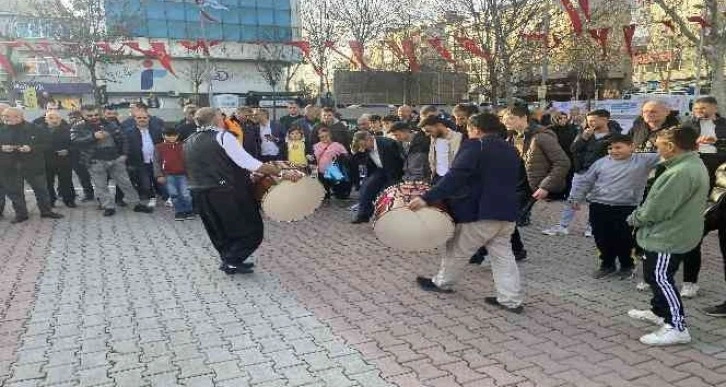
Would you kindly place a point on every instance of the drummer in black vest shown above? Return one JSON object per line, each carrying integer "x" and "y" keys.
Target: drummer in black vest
{"x": 219, "y": 179}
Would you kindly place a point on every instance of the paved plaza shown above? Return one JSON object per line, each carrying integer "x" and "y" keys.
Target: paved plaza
{"x": 137, "y": 300}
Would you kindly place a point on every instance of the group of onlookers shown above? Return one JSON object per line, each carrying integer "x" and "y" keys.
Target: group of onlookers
{"x": 627, "y": 177}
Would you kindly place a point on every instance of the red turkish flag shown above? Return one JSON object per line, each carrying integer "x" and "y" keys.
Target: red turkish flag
{"x": 438, "y": 45}
{"x": 410, "y": 50}
{"x": 473, "y": 47}
{"x": 574, "y": 16}
{"x": 628, "y": 33}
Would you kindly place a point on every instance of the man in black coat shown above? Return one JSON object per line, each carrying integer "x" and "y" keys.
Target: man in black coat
{"x": 382, "y": 159}
{"x": 142, "y": 138}
{"x": 58, "y": 159}
{"x": 22, "y": 151}
{"x": 186, "y": 127}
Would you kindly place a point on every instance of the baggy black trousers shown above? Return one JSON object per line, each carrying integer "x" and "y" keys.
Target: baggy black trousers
{"x": 232, "y": 219}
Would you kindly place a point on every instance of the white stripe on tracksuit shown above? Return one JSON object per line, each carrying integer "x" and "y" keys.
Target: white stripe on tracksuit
{"x": 661, "y": 278}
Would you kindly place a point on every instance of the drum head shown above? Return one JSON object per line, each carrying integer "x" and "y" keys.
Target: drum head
{"x": 406, "y": 230}
{"x": 290, "y": 202}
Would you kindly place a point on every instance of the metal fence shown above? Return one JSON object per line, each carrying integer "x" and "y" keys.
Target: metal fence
{"x": 389, "y": 87}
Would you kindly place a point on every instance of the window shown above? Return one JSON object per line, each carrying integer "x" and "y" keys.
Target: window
{"x": 246, "y": 20}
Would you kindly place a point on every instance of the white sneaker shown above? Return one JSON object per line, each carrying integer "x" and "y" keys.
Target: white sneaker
{"x": 645, "y": 315}
{"x": 556, "y": 230}
{"x": 641, "y": 286}
{"x": 666, "y": 335}
{"x": 588, "y": 232}
{"x": 169, "y": 203}
{"x": 689, "y": 290}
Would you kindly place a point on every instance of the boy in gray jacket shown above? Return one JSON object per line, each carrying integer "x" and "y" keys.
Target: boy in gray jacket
{"x": 614, "y": 186}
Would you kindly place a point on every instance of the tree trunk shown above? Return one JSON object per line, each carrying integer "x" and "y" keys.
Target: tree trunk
{"x": 94, "y": 85}
{"x": 718, "y": 83}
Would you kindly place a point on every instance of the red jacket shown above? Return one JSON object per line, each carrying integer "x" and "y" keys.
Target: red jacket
{"x": 169, "y": 159}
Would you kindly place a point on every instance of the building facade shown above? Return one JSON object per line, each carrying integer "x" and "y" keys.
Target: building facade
{"x": 240, "y": 36}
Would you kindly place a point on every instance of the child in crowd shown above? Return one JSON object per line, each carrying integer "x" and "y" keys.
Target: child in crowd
{"x": 169, "y": 170}
{"x": 297, "y": 152}
{"x": 614, "y": 186}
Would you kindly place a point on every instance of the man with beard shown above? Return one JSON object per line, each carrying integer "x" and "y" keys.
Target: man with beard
{"x": 445, "y": 144}
{"x": 104, "y": 150}
{"x": 219, "y": 169}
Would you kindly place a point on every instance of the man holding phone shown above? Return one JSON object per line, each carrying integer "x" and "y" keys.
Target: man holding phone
{"x": 272, "y": 136}
{"x": 22, "y": 149}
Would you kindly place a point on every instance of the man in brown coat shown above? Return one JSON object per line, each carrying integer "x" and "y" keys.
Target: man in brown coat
{"x": 545, "y": 162}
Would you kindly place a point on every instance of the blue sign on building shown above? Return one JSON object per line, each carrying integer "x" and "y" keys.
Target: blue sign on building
{"x": 243, "y": 21}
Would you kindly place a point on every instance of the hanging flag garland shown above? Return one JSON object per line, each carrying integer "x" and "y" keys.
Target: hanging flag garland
{"x": 438, "y": 45}
{"x": 358, "y": 48}
{"x": 628, "y": 33}
{"x": 574, "y": 16}
{"x": 331, "y": 45}
{"x": 409, "y": 49}
{"x": 601, "y": 37}
{"x": 473, "y": 47}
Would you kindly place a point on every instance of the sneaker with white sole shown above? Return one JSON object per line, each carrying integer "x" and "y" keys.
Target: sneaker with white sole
{"x": 588, "y": 232}
{"x": 556, "y": 230}
{"x": 666, "y": 335}
{"x": 690, "y": 290}
{"x": 645, "y": 315}
{"x": 642, "y": 286}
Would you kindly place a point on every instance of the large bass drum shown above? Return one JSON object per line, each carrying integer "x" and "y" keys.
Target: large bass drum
{"x": 285, "y": 201}
{"x": 396, "y": 226}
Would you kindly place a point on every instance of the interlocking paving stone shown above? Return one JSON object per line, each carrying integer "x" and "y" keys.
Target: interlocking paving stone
{"x": 137, "y": 300}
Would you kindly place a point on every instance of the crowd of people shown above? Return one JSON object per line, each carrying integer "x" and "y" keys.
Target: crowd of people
{"x": 647, "y": 187}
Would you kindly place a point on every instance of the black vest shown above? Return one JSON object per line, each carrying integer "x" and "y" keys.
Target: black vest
{"x": 208, "y": 165}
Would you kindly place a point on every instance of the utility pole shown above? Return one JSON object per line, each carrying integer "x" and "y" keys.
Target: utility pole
{"x": 207, "y": 64}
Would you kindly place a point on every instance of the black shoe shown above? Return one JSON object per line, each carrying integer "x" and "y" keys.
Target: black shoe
{"x": 603, "y": 272}
{"x": 143, "y": 208}
{"x": 230, "y": 269}
{"x": 179, "y": 217}
{"x": 716, "y": 311}
{"x": 121, "y": 203}
{"x": 429, "y": 286}
{"x": 19, "y": 219}
{"x": 247, "y": 265}
{"x": 51, "y": 215}
{"x": 359, "y": 221}
{"x": 493, "y": 301}
{"x": 523, "y": 223}
{"x": 190, "y": 216}
{"x": 520, "y": 255}
{"x": 71, "y": 204}
{"x": 109, "y": 212}
{"x": 88, "y": 198}
{"x": 626, "y": 273}
{"x": 477, "y": 259}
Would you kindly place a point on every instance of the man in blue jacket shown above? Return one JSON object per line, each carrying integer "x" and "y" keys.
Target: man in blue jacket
{"x": 481, "y": 191}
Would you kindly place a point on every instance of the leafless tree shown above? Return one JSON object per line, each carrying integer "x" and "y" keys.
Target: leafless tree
{"x": 83, "y": 25}
{"x": 711, "y": 39}
{"x": 196, "y": 73}
{"x": 277, "y": 64}
{"x": 320, "y": 26}
{"x": 496, "y": 25}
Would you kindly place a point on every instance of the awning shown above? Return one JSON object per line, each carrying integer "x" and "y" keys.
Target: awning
{"x": 55, "y": 88}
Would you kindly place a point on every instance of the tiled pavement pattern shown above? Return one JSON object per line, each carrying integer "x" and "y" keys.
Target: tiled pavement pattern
{"x": 136, "y": 300}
